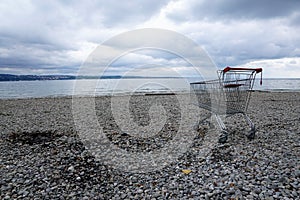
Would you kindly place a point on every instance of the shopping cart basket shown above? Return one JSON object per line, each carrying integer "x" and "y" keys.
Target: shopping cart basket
{"x": 228, "y": 95}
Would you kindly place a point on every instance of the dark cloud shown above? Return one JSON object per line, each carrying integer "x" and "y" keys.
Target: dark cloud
{"x": 129, "y": 12}
{"x": 57, "y": 36}
{"x": 245, "y": 9}
{"x": 295, "y": 20}
{"x": 236, "y": 10}
{"x": 39, "y": 33}
{"x": 237, "y": 32}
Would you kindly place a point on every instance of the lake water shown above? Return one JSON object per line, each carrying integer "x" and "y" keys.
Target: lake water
{"x": 27, "y": 89}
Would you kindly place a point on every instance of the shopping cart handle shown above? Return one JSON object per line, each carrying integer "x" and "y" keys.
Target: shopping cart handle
{"x": 257, "y": 70}
{"x": 226, "y": 69}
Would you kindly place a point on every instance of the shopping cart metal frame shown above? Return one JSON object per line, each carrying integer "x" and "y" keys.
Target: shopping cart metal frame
{"x": 228, "y": 95}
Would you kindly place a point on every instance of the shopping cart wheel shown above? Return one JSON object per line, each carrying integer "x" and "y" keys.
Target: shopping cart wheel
{"x": 223, "y": 136}
{"x": 251, "y": 134}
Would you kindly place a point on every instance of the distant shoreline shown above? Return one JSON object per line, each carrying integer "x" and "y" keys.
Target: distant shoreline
{"x": 11, "y": 77}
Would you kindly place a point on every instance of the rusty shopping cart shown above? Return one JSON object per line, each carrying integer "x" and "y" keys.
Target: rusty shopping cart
{"x": 226, "y": 96}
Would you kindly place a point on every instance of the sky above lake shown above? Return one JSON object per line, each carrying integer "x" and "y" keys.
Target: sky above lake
{"x": 57, "y": 37}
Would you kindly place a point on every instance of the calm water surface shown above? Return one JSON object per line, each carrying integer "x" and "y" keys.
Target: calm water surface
{"x": 26, "y": 89}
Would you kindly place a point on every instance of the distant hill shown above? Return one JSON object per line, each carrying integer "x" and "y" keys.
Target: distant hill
{"x": 11, "y": 77}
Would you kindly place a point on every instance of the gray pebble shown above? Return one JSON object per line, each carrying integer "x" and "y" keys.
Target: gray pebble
{"x": 61, "y": 167}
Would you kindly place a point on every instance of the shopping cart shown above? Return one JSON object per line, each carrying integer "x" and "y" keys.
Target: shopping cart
{"x": 226, "y": 96}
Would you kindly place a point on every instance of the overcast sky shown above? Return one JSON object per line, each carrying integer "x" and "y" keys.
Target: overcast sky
{"x": 56, "y": 37}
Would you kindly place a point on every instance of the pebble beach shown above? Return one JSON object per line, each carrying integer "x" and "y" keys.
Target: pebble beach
{"x": 43, "y": 157}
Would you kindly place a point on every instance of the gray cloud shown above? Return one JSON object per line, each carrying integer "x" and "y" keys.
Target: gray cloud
{"x": 234, "y": 32}
{"x": 236, "y": 10}
{"x": 37, "y": 34}
{"x": 129, "y": 12}
{"x": 56, "y": 36}
{"x": 295, "y": 19}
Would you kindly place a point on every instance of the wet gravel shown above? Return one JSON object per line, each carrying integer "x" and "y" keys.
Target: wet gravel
{"x": 42, "y": 156}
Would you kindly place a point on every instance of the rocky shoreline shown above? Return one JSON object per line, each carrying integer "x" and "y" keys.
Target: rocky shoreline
{"x": 42, "y": 155}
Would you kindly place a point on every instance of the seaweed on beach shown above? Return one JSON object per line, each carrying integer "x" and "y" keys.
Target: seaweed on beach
{"x": 31, "y": 138}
